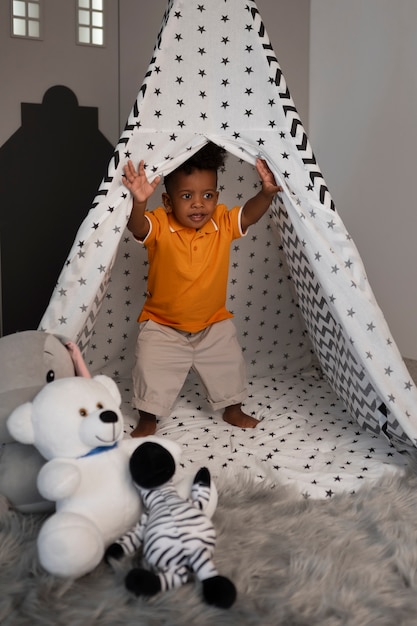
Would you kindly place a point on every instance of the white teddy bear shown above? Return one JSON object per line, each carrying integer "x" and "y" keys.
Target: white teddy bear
{"x": 77, "y": 425}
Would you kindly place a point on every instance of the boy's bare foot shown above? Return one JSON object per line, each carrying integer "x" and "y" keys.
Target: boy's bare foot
{"x": 146, "y": 425}
{"x": 234, "y": 415}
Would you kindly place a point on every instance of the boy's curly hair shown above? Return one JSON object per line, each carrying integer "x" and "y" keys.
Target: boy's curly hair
{"x": 209, "y": 157}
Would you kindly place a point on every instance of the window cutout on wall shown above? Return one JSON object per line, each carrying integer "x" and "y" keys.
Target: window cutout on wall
{"x": 90, "y": 22}
{"x": 26, "y": 19}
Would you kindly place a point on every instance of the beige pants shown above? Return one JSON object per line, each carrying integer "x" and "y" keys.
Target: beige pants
{"x": 164, "y": 356}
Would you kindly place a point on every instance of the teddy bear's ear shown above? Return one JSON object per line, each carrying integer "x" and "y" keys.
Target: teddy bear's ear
{"x": 19, "y": 424}
{"x": 111, "y": 387}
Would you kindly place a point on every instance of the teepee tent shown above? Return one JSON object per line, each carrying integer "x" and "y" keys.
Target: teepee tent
{"x": 214, "y": 77}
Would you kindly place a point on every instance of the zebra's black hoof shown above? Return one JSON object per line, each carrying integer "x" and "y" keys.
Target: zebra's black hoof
{"x": 142, "y": 583}
{"x": 202, "y": 477}
{"x": 114, "y": 551}
{"x": 219, "y": 591}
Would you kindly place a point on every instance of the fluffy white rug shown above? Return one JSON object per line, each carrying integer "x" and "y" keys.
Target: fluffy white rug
{"x": 350, "y": 560}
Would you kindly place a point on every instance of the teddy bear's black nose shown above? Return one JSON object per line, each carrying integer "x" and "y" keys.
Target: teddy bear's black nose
{"x": 108, "y": 417}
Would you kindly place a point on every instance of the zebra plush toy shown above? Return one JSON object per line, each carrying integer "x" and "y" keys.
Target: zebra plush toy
{"x": 176, "y": 535}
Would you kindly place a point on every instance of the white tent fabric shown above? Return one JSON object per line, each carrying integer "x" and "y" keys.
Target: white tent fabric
{"x": 214, "y": 77}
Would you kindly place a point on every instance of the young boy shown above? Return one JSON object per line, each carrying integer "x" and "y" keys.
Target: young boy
{"x": 184, "y": 323}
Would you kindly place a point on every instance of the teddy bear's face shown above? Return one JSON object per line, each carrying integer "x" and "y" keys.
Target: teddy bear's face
{"x": 70, "y": 417}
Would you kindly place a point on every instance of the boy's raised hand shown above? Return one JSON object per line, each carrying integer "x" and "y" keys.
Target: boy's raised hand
{"x": 137, "y": 182}
{"x": 269, "y": 184}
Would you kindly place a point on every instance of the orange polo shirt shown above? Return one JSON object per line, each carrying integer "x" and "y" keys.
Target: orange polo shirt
{"x": 188, "y": 269}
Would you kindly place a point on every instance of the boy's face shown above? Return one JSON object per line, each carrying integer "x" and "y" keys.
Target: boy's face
{"x": 192, "y": 198}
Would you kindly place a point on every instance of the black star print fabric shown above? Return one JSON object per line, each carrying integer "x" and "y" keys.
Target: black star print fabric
{"x": 297, "y": 286}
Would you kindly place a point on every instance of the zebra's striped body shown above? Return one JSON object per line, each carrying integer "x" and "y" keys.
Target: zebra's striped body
{"x": 177, "y": 537}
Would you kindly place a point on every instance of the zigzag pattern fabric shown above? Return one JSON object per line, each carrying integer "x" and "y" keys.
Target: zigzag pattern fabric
{"x": 214, "y": 77}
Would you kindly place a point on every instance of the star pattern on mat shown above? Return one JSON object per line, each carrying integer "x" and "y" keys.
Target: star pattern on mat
{"x": 305, "y": 437}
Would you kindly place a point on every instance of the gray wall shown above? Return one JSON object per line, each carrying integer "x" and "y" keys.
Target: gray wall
{"x": 29, "y": 67}
{"x": 363, "y": 106}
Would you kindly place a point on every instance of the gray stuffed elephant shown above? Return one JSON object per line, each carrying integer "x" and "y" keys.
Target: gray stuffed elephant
{"x": 29, "y": 360}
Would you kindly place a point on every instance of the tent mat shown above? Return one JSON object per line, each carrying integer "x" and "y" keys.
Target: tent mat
{"x": 306, "y": 437}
